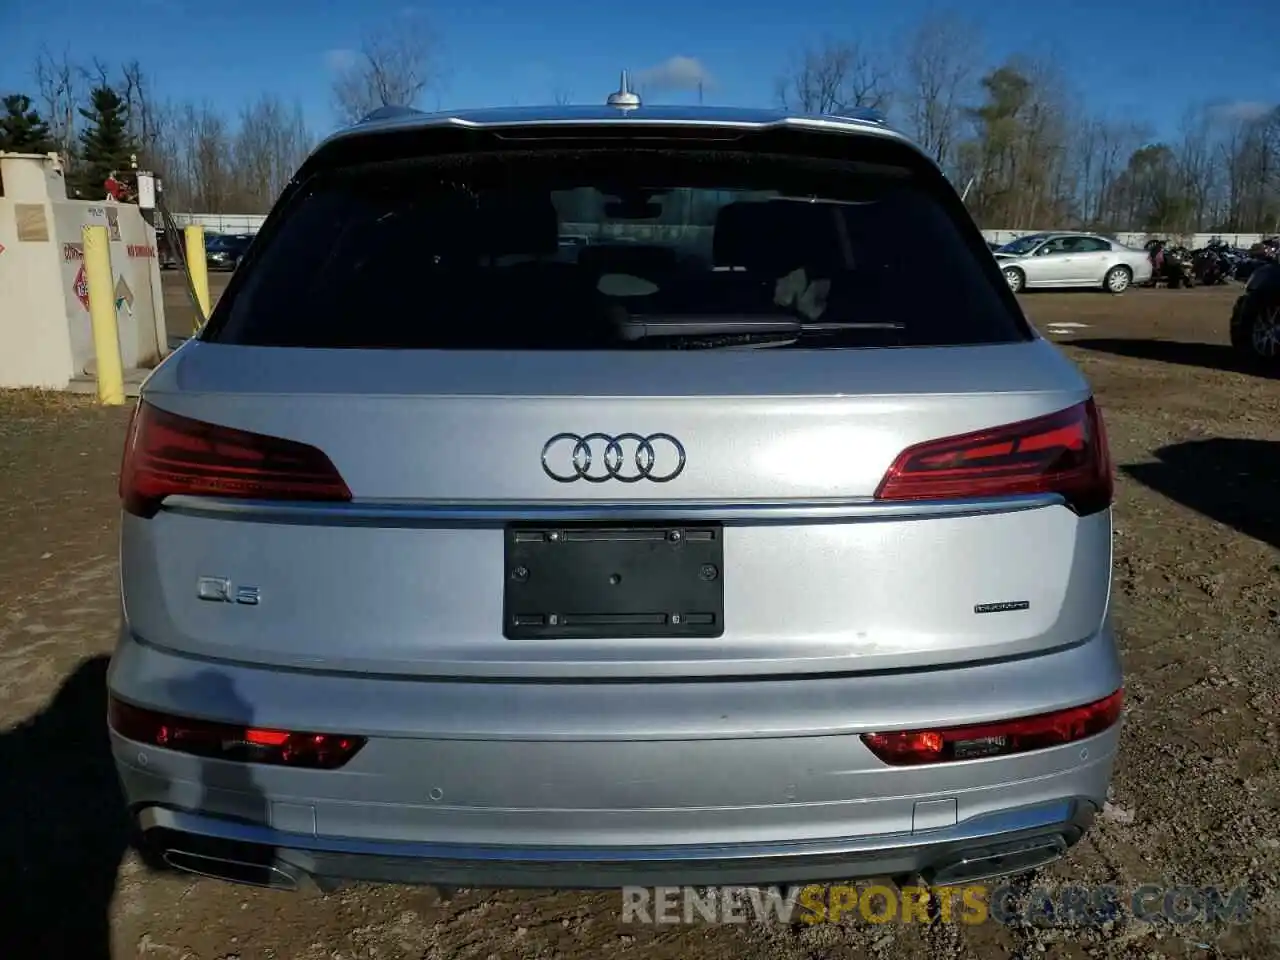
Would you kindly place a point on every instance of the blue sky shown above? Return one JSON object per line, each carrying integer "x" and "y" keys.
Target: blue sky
{"x": 502, "y": 51}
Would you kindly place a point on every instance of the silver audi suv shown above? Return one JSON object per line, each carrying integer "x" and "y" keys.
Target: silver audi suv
{"x": 588, "y": 496}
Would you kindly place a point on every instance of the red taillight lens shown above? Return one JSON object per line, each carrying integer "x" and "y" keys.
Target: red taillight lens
{"x": 221, "y": 741}
{"x": 912, "y": 747}
{"x": 1065, "y": 452}
{"x": 168, "y": 454}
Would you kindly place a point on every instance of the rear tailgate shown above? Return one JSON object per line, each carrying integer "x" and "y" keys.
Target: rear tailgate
{"x": 779, "y": 451}
{"x": 409, "y": 577}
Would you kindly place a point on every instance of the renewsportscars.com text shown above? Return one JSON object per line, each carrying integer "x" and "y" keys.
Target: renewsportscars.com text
{"x": 968, "y": 904}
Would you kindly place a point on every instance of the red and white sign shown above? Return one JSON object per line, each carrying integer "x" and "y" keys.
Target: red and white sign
{"x": 1, "y": 248}
{"x": 81, "y": 288}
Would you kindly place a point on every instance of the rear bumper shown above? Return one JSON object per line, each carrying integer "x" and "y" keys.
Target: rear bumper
{"x": 486, "y": 784}
{"x": 995, "y": 845}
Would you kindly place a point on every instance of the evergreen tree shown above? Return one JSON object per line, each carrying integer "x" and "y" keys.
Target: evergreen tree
{"x": 105, "y": 144}
{"x": 21, "y": 129}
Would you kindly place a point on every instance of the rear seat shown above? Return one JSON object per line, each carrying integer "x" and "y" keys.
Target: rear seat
{"x": 541, "y": 294}
{"x": 743, "y": 250}
{"x": 763, "y": 241}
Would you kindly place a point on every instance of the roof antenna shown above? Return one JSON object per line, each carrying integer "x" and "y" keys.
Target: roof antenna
{"x": 623, "y": 97}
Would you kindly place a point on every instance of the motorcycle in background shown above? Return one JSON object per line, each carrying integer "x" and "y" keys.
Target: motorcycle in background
{"x": 1213, "y": 264}
{"x": 1171, "y": 266}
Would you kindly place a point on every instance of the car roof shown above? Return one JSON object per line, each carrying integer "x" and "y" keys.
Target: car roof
{"x": 747, "y": 118}
{"x": 603, "y": 113}
{"x": 1046, "y": 234}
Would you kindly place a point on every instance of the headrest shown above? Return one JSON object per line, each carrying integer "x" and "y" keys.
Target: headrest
{"x": 742, "y": 237}
{"x": 866, "y": 226}
{"x": 777, "y": 236}
{"x": 512, "y": 222}
{"x": 810, "y": 236}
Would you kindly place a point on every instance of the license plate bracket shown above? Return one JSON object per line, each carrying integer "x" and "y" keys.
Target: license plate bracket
{"x": 613, "y": 582}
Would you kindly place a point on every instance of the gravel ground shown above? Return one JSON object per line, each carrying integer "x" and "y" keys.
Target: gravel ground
{"x": 1196, "y": 796}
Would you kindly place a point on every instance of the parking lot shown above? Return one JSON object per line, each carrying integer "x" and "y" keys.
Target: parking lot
{"x": 1196, "y": 796}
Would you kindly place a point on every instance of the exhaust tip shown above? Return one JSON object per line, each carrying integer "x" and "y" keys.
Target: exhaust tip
{"x": 244, "y": 872}
{"x": 988, "y": 863}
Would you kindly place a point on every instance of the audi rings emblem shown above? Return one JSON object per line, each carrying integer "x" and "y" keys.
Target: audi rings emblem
{"x": 628, "y": 457}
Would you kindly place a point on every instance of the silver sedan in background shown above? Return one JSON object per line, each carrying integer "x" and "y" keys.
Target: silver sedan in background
{"x": 1051, "y": 260}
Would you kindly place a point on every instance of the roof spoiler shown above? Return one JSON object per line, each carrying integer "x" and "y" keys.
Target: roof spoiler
{"x": 862, "y": 114}
{"x": 390, "y": 113}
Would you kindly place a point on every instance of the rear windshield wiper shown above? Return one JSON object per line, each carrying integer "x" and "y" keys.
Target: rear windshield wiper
{"x": 780, "y": 327}
{"x": 833, "y": 332}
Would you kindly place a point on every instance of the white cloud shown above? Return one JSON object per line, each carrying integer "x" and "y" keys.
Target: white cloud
{"x": 340, "y": 59}
{"x": 675, "y": 73}
{"x": 1243, "y": 109}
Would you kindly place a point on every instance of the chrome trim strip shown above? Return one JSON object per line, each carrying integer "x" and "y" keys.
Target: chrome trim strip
{"x": 992, "y": 827}
{"x": 492, "y": 513}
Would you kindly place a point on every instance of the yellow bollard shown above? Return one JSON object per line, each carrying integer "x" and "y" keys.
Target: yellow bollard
{"x": 102, "y": 315}
{"x": 199, "y": 268}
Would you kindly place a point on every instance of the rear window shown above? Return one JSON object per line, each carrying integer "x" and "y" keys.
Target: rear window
{"x": 614, "y": 249}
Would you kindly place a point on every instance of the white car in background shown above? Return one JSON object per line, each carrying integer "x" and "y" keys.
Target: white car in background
{"x": 1042, "y": 261}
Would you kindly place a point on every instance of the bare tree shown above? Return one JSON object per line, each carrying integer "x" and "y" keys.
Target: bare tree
{"x": 1116, "y": 144}
{"x": 1098, "y": 148}
{"x": 1251, "y": 152}
{"x": 391, "y": 68}
{"x": 1018, "y": 151}
{"x": 270, "y": 144}
{"x": 1036, "y": 155}
{"x": 57, "y": 82}
{"x": 939, "y": 70}
{"x": 144, "y": 122}
{"x": 97, "y": 74}
{"x": 208, "y": 161}
{"x": 202, "y": 177}
{"x": 1197, "y": 164}
{"x": 832, "y": 78}
{"x": 212, "y": 164}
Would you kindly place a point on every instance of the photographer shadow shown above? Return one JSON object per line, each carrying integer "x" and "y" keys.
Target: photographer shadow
{"x": 222, "y": 789}
{"x": 1229, "y": 480}
{"x": 1207, "y": 356}
{"x": 63, "y": 825}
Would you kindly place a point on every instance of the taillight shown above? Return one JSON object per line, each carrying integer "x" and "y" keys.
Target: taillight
{"x": 167, "y": 454}
{"x": 913, "y": 747}
{"x": 221, "y": 741}
{"x": 1064, "y": 452}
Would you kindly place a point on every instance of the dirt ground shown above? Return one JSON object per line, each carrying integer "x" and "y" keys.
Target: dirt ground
{"x": 1196, "y": 796}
